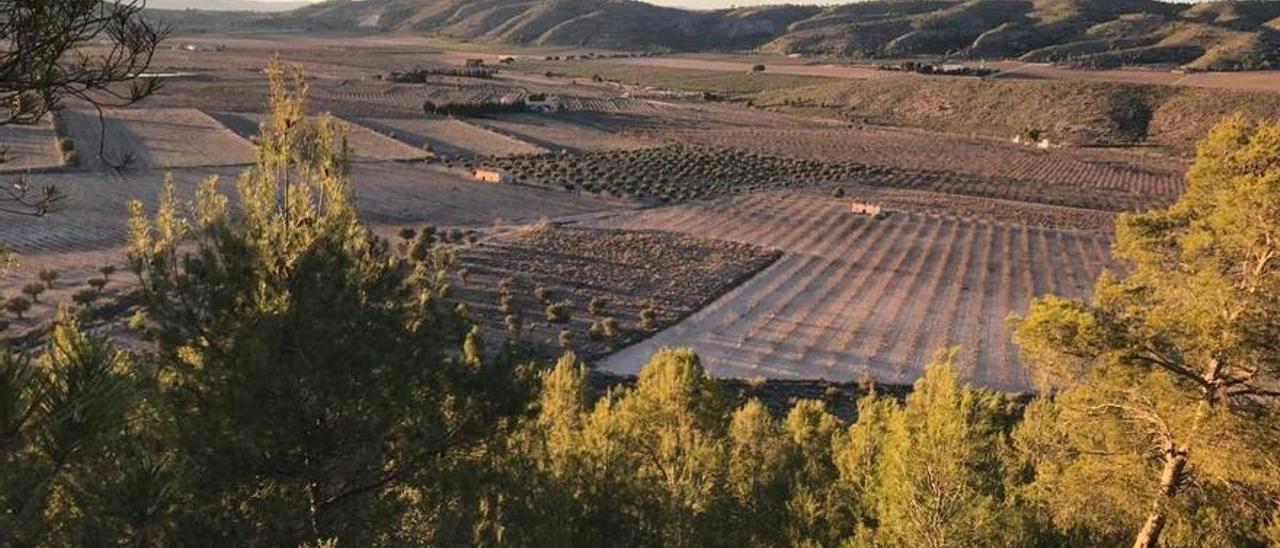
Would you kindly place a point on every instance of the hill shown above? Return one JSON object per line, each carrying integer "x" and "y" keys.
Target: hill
{"x": 1097, "y": 33}
{"x": 225, "y": 5}
{"x": 1169, "y": 118}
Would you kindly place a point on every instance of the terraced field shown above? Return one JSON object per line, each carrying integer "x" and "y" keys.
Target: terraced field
{"x": 1092, "y": 169}
{"x": 367, "y": 145}
{"x": 28, "y": 147}
{"x": 857, "y": 296}
{"x": 451, "y": 137}
{"x": 154, "y": 137}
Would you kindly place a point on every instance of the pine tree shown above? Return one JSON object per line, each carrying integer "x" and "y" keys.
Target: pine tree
{"x": 1167, "y": 381}
{"x": 319, "y": 380}
{"x": 940, "y": 476}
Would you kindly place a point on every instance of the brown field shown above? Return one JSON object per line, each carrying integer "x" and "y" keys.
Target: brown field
{"x": 977, "y": 225}
{"x": 154, "y": 137}
{"x": 856, "y": 296}
{"x": 29, "y": 147}
{"x": 674, "y": 274}
{"x": 554, "y": 132}
{"x": 1082, "y": 169}
{"x": 771, "y": 67}
{"x": 452, "y": 137}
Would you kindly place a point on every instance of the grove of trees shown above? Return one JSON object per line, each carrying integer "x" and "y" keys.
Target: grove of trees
{"x": 306, "y": 385}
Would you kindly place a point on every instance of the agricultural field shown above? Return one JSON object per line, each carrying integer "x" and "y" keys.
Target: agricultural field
{"x": 730, "y": 181}
{"x": 639, "y": 281}
{"x": 558, "y": 132}
{"x": 367, "y": 145}
{"x": 669, "y": 174}
{"x": 29, "y": 147}
{"x": 451, "y": 137}
{"x": 1085, "y": 169}
{"x": 857, "y": 296}
{"x": 153, "y": 138}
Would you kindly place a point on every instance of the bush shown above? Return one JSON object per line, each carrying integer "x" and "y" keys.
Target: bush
{"x": 559, "y": 312}
{"x": 596, "y": 306}
{"x": 18, "y": 306}
{"x": 98, "y": 284}
{"x": 66, "y": 145}
{"x": 648, "y": 317}
{"x": 34, "y": 290}
{"x": 837, "y": 192}
{"x": 48, "y": 276}
{"x": 610, "y": 327}
{"x": 84, "y": 297}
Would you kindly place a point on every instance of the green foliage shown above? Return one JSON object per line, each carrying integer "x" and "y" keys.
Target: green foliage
{"x": 71, "y": 434}
{"x": 332, "y": 365}
{"x": 1164, "y": 423}
{"x": 559, "y": 312}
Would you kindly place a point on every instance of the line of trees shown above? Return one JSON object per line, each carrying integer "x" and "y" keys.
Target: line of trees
{"x": 308, "y": 386}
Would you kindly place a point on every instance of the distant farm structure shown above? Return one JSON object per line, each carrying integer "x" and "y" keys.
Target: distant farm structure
{"x": 869, "y": 210}
{"x": 487, "y": 175}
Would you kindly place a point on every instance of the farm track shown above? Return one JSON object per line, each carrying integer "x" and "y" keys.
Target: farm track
{"x": 854, "y": 295}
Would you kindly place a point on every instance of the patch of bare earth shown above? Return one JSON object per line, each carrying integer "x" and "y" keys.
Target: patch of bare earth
{"x": 674, "y": 275}
{"x": 857, "y": 296}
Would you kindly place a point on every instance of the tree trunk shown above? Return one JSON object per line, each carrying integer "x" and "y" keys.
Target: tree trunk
{"x": 1175, "y": 461}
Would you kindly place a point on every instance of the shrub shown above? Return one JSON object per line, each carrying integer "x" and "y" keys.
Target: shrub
{"x": 596, "y": 332}
{"x": 837, "y": 192}
{"x": 566, "y": 338}
{"x": 98, "y": 284}
{"x": 559, "y": 312}
{"x": 34, "y": 290}
{"x": 84, "y": 297}
{"x": 66, "y": 146}
{"x": 596, "y": 306}
{"x": 610, "y": 327}
{"x": 107, "y": 271}
{"x": 648, "y": 317}
{"x": 48, "y": 276}
{"x": 18, "y": 306}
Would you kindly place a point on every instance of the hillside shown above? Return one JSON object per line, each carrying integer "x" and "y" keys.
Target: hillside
{"x": 1098, "y": 33}
{"x": 1079, "y": 113}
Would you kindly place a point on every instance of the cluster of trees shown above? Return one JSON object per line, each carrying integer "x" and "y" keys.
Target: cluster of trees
{"x": 474, "y": 108}
{"x": 306, "y": 385}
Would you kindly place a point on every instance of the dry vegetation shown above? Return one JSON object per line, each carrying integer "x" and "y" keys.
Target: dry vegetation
{"x": 1079, "y": 113}
{"x": 607, "y": 288}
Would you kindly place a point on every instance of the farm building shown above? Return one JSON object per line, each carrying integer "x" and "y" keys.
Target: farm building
{"x": 487, "y": 175}
{"x": 870, "y": 210}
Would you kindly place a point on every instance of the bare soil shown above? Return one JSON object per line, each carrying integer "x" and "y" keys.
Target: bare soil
{"x": 855, "y": 296}
{"x": 672, "y": 274}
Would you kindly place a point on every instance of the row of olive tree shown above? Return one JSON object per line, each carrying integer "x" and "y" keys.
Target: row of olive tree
{"x": 308, "y": 386}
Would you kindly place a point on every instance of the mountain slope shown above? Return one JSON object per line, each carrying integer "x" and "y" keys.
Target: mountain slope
{"x": 1214, "y": 35}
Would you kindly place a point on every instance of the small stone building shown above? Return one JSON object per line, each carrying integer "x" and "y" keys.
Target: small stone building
{"x": 487, "y": 175}
{"x": 870, "y": 210}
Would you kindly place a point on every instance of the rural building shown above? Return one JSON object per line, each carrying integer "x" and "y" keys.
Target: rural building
{"x": 870, "y": 210}
{"x": 487, "y": 175}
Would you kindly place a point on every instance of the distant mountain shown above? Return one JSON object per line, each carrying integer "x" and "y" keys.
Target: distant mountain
{"x": 1212, "y": 35}
{"x": 226, "y": 5}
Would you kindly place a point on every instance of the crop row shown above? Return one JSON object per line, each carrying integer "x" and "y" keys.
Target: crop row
{"x": 670, "y": 173}
{"x": 855, "y": 295}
